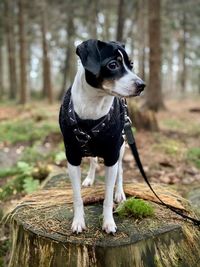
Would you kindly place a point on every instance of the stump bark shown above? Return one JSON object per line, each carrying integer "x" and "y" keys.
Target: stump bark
{"x": 142, "y": 119}
{"x": 42, "y": 236}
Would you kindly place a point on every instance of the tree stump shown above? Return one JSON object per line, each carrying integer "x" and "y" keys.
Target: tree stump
{"x": 41, "y": 234}
{"x": 145, "y": 119}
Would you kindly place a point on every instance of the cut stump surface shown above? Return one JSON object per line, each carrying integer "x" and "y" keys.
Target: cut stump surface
{"x": 42, "y": 236}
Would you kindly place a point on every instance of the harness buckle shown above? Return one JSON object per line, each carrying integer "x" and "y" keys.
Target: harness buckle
{"x": 82, "y": 137}
{"x": 83, "y": 140}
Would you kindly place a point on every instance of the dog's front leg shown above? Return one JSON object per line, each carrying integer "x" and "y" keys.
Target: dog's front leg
{"x": 119, "y": 192}
{"x": 108, "y": 221}
{"x": 78, "y": 224}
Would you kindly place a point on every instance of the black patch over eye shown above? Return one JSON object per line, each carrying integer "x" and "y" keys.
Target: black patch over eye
{"x": 113, "y": 65}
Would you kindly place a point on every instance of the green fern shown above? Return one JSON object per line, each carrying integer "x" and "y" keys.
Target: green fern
{"x": 23, "y": 180}
{"x": 30, "y": 185}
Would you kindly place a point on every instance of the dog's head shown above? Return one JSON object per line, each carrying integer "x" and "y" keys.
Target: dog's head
{"x": 108, "y": 67}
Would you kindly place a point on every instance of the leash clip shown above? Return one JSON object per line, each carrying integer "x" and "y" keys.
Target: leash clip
{"x": 128, "y": 120}
{"x": 128, "y": 132}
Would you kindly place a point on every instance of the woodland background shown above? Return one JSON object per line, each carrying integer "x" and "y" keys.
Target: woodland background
{"x": 38, "y": 39}
{"x": 38, "y": 63}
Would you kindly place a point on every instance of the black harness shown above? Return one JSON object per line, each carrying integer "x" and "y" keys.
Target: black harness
{"x": 82, "y": 137}
{"x": 86, "y": 137}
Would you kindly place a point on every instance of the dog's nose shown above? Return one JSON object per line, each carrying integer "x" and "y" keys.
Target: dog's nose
{"x": 140, "y": 85}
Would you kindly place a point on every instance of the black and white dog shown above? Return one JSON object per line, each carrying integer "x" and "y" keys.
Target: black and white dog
{"x": 92, "y": 121}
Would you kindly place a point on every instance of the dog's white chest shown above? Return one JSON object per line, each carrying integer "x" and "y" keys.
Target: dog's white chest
{"x": 89, "y": 103}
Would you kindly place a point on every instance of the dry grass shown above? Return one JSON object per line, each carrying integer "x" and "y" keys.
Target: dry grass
{"x": 46, "y": 199}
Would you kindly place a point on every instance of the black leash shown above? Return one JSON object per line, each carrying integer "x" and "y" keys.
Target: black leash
{"x": 132, "y": 144}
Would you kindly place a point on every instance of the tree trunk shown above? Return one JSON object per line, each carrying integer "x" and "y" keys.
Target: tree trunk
{"x": 131, "y": 33}
{"x": 30, "y": 90}
{"x": 183, "y": 69}
{"x": 1, "y": 51}
{"x": 169, "y": 80}
{"x": 132, "y": 43}
{"x": 23, "y": 47}
{"x": 9, "y": 25}
{"x": 107, "y": 22}
{"x": 120, "y": 21}
{"x": 1, "y": 70}
{"x": 154, "y": 99}
{"x": 92, "y": 21}
{"x": 142, "y": 119}
{"x": 42, "y": 236}
{"x": 69, "y": 65}
{"x": 47, "y": 87}
{"x": 199, "y": 84}
{"x": 1, "y": 74}
{"x": 142, "y": 37}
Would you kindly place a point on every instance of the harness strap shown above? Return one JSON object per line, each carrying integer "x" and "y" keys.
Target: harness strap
{"x": 133, "y": 147}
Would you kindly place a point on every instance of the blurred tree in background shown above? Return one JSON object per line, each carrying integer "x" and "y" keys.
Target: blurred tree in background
{"x": 38, "y": 40}
{"x": 10, "y": 21}
{"x": 154, "y": 99}
{"x": 22, "y": 52}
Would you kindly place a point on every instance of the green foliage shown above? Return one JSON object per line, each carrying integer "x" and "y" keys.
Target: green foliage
{"x": 134, "y": 130}
{"x": 15, "y": 131}
{"x": 169, "y": 146}
{"x": 5, "y": 172}
{"x": 1, "y": 214}
{"x": 193, "y": 155}
{"x": 32, "y": 154}
{"x": 133, "y": 207}
{"x": 195, "y": 129}
{"x": 191, "y": 127}
{"x": 61, "y": 146}
{"x": 12, "y": 187}
{"x": 174, "y": 124}
{"x": 30, "y": 185}
{"x": 100, "y": 177}
{"x": 23, "y": 181}
{"x": 24, "y": 168}
{"x": 5, "y": 246}
{"x": 60, "y": 156}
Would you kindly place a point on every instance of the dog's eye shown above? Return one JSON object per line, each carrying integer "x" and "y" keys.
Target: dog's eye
{"x": 131, "y": 65}
{"x": 113, "y": 65}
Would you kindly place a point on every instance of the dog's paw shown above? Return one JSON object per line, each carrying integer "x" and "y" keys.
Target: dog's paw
{"x": 88, "y": 182}
{"x": 78, "y": 225}
{"x": 119, "y": 196}
{"x": 109, "y": 226}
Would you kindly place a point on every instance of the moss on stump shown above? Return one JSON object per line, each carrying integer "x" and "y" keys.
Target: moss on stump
{"x": 42, "y": 236}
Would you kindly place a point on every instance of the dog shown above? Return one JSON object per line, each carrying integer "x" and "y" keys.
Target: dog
{"x": 92, "y": 121}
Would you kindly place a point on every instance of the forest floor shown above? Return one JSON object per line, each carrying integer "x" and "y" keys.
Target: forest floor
{"x": 31, "y": 148}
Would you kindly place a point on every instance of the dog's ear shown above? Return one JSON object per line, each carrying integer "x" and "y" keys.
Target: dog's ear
{"x": 119, "y": 44}
{"x": 122, "y": 45}
{"x": 89, "y": 53}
